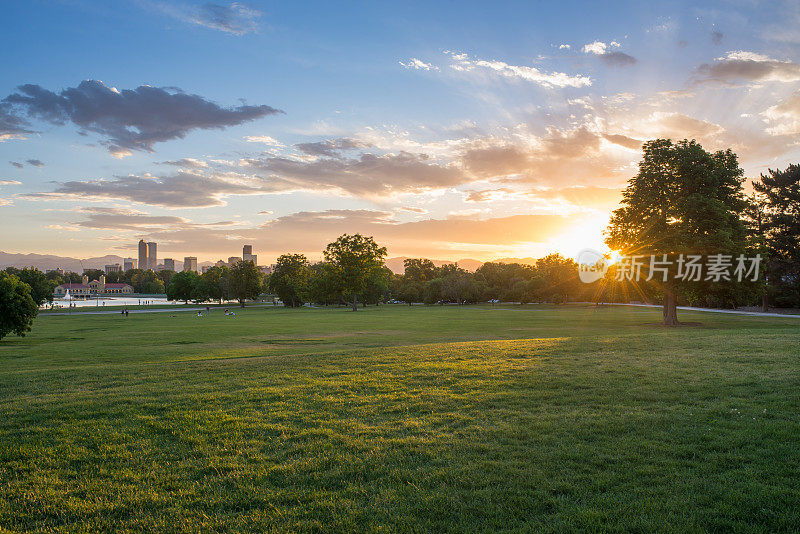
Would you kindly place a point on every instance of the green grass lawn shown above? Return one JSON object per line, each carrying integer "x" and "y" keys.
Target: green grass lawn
{"x": 402, "y": 419}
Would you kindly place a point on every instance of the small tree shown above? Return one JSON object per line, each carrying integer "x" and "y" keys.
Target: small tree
{"x": 17, "y": 307}
{"x": 244, "y": 281}
{"x": 290, "y": 279}
{"x": 182, "y": 286}
{"x": 355, "y": 260}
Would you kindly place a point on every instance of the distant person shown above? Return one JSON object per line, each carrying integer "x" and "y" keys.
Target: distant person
{"x": 126, "y": 312}
{"x": 208, "y": 310}
{"x": 122, "y": 312}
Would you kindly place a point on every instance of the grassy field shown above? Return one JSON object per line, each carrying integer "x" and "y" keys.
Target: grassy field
{"x": 402, "y": 419}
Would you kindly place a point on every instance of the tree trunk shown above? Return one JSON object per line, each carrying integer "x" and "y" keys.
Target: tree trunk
{"x": 764, "y": 302}
{"x": 670, "y": 309}
{"x": 355, "y": 303}
{"x": 241, "y": 303}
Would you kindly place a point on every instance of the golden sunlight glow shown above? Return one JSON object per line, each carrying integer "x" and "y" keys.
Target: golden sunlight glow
{"x": 587, "y": 232}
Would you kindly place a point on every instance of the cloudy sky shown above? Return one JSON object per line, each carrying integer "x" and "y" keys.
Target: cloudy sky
{"x": 445, "y": 129}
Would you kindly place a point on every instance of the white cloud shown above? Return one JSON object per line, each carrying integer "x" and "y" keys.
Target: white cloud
{"x": 598, "y": 47}
{"x": 267, "y": 140}
{"x": 564, "y": 47}
{"x": 463, "y": 63}
{"x": 418, "y": 64}
{"x": 10, "y": 182}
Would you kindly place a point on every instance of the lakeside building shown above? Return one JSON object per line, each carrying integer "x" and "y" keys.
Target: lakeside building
{"x": 92, "y": 289}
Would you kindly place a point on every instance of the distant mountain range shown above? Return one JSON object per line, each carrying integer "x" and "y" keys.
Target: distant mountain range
{"x": 44, "y": 262}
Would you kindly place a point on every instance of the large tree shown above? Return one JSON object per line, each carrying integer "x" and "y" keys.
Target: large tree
{"x": 17, "y": 307}
{"x": 356, "y": 260}
{"x": 683, "y": 200}
{"x": 182, "y": 286}
{"x": 214, "y": 284}
{"x": 290, "y": 279}
{"x": 41, "y": 286}
{"x": 245, "y": 281}
{"x": 777, "y": 216}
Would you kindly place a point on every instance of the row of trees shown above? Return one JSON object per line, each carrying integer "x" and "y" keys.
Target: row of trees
{"x": 240, "y": 282}
{"x": 353, "y": 272}
{"x": 552, "y": 279}
{"x": 143, "y": 282}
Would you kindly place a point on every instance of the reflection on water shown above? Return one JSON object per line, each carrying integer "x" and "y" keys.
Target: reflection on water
{"x": 114, "y": 301}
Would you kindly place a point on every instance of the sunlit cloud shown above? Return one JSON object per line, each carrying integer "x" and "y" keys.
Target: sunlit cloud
{"x": 463, "y": 63}
{"x": 744, "y": 66}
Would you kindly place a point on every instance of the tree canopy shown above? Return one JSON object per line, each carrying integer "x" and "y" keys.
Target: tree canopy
{"x": 778, "y": 224}
{"x": 244, "y": 281}
{"x": 289, "y": 279}
{"x": 41, "y": 286}
{"x": 182, "y": 286}
{"x": 17, "y": 307}
{"x": 683, "y": 200}
{"x": 355, "y": 260}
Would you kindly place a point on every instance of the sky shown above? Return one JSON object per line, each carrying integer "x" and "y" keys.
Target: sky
{"x": 444, "y": 129}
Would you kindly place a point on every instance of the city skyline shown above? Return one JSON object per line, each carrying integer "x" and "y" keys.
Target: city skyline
{"x": 531, "y": 123}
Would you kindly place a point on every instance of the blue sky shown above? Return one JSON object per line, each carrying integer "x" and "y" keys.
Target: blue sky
{"x": 448, "y": 130}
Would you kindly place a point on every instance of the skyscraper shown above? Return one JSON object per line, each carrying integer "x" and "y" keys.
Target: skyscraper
{"x": 152, "y": 256}
{"x": 169, "y": 264}
{"x": 247, "y": 254}
{"x": 128, "y": 264}
{"x": 190, "y": 263}
{"x": 144, "y": 264}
